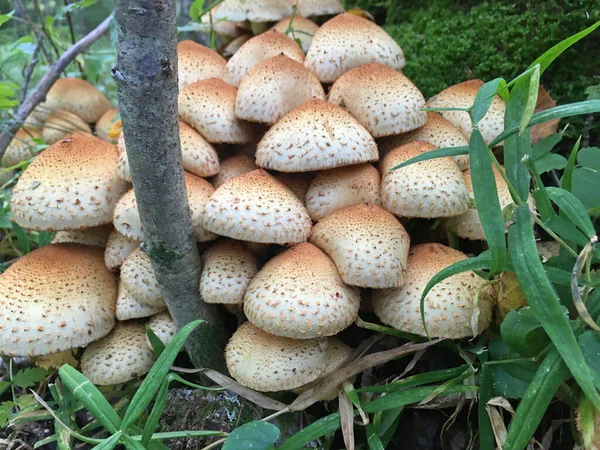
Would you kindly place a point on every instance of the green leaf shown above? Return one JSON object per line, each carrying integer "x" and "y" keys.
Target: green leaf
{"x": 550, "y": 161}
{"x": 523, "y": 333}
{"x": 252, "y": 436}
{"x": 573, "y": 209}
{"x": 534, "y": 85}
{"x": 373, "y": 440}
{"x": 483, "y": 99}
{"x": 403, "y": 398}
{"x": 29, "y": 377}
{"x": 486, "y": 432}
{"x": 417, "y": 380}
{"x": 433, "y": 154}
{"x": 6, "y": 17}
{"x": 589, "y": 342}
{"x": 315, "y": 430}
{"x": 544, "y": 302}
{"x": 585, "y": 186}
{"x": 566, "y": 230}
{"x": 545, "y": 146}
{"x": 21, "y": 238}
{"x": 567, "y": 178}
{"x": 110, "y": 443}
{"x": 157, "y": 345}
{"x": 589, "y": 157}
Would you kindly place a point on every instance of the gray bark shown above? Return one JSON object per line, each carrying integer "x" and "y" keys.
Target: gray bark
{"x": 145, "y": 73}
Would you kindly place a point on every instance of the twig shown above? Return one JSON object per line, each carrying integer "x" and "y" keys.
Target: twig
{"x": 72, "y": 31}
{"x": 44, "y": 29}
{"x": 29, "y": 70}
{"x": 29, "y": 21}
{"x": 39, "y": 95}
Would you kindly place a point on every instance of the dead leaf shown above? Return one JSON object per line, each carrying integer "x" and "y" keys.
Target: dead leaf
{"x": 346, "y": 411}
{"x": 542, "y": 130}
{"x": 498, "y": 425}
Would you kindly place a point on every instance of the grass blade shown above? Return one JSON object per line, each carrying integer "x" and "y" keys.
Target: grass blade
{"x": 110, "y": 443}
{"x": 157, "y": 345}
{"x": 486, "y": 431}
{"x": 403, "y": 398}
{"x": 573, "y": 209}
{"x": 373, "y": 440}
{"x": 433, "y": 154}
{"x": 484, "y": 97}
{"x": 315, "y": 430}
{"x": 567, "y": 177}
{"x": 532, "y": 95}
{"x": 417, "y": 380}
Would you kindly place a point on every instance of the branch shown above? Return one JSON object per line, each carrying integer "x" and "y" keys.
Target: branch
{"x": 72, "y": 32}
{"x": 39, "y": 95}
{"x": 29, "y": 70}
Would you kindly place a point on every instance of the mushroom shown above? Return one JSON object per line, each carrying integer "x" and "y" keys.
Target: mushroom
{"x": 348, "y": 41}
{"x": 302, "y": 29}
{"x": 310, "y": 8}
{"x": 299, "y": 294}
{"x": 128, "y": 307}
{"x": 429, "y": 189}
{"x": 232, "y": 167}
{"x": 382, "y": 99}
{"x": 106, "y": 122}
{"x": 315, "y": 136}
{"x": 118, "y": 247}
{"x": 54, "y": 299}
{"x": 231, "y": 48}
{"x": 139, "y": 281}
{"x": 368, "y": 245}
{"x": 121, "y": 356}
{"x": 61, "y": 123}
{"x": 274, "y": 87}
{"x": 73, "y": 184}
{"x": 56, "y": 360}
{"x": 78, "y": 97}
{"x": 457, "y": 307}
{"x": 345, "y": 186}
{"x": 21, "y": 147}
{"x": 226, "y": 28}
{"x": 96, "y": 237}
{"x": 163, "y": 327}
{"x": 196, "y": 62}
{"x": 548, "y": 249}
{"x": 254, "y": 10}
{"x": 256, "y": 207}
{"x": 298, "y": 182}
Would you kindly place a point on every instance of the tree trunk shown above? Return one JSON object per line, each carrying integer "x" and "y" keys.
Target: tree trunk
{"x": 145, "y": 73}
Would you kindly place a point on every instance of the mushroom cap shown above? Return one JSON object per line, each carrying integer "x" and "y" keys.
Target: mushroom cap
{"x": 348, "y": 41}
{"x": 253, "y": 10}
{"x": 96, "y": 237}
{"x": 429, "y": 189}
{"x": 231, "y": 48}
{"x": 119, "y": 357}
{"x": 56, "y": 298}
{"x": 257, "y": 49}
{"x": 209, "y": 107}
{"x": 228, "y": 267}
{"x": 462, "y": 95}
{"x": 268, "y": 363}
{"x": 137, "y": 276}
{"x": 232, "y": 167}
{"x": 118, "y": 247}
{"x": 299, "y": 294}
{"x": 382, "y": 99}
{"x": 437, "y": 131}
{"x": 72, "y": 184}
{"x": 77, "y": 96}
{"x": 274, "y": 87}
{"x": 368, "y": 245}
{"x": 256, "y": 207}
{"x": 196, "y": 62}
{"x": 106, "y": 122}
{"x": 315, "y": 136}
{"x": 220, "y": 27}
{"x": 298, "y": 182}
{"x": 548, "y": 249}
{"x": 457, "y": 307}
{"x": 127, "y": 218}
{"x": 61, "y": 123}
{"x": 309, "y": 8}
{"x": 56, "y": 360}
{"x": 21, "y": 146}
{"x": 128, "y": 308}
{"x": 163, "y": 327}
{"x": 345, "y": 186}
{"x": 306, "y": 29}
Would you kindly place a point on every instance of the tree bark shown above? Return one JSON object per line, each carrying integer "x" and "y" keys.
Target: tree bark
{"x": 145, "y": 73}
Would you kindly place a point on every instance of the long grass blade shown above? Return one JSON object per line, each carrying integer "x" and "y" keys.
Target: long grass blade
{"x": 572, "y": 207}
{"x": 433, "y": 154}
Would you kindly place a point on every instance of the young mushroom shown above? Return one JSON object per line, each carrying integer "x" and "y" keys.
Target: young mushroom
{"x": 163, "y": 327}
{"x": 21, "y": 147}
{"x": 61, "y": 123}
{"x": 232, "y": 167}
{"x": 137, "y": 277}
{"x": 118, "y": 247}
{"x": 195, "y": 62}
{"x": 96, "y": 236}
{"x": 78, "y": 97}
{"x": 302, "y": 29}
{"x": 127, "y": 307}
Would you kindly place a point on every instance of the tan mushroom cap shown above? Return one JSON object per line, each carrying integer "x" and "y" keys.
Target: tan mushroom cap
{"x": 259, "y": 48}
{"x": 548, "y": 249}
{"x": 231, "y": 48}
{"x": 106, "y": 122}
{"x": 382, "y": 99}
{"x": 61, "y": 123}
{"x": 315, "y": 136}
{"x": 73, "y": 184}
{"x": 299, "y": 294}
{"x": 457, "y": 307}
{"x": 96, "y": 236}
{"x": 274, "y": 87}
{"x": 298, "y": 182}
{"x": 462, "y": 95}
{"x": 253, "y": 10}
{"x": 303, "y": 29}
{"x": 77, "y": 96}
{"x": 128, "y": 307}
{"x": 137, "y": 276}
{"x": 118, "y": 247}
{"x": 163, "y": 327}
{"x": 56, "y": 298}
{"x": 127, "y": 218}
{"x": 198, "y": 156}
{"x": 56, "y": 360}
{"x": 232, "y": 167}
{"x": 437, "y": 131}
{"x": 220, "y": 27}
{"x": 268, "y": 363}
{"x": 428, "y": 189}
{"x": 119, "y": 357}
{"x": 227, "y": 268}
{"x": 348, "y": 41}
{"x": 309, "y": 8}
{"x": 256, "y": 207}
{"x": 368, "y": 245}
{"x": 197, "y": 62}
{"x": 345, "y": 186}
{"x": 21, "y": 146}
{"x": 209, "y": 107}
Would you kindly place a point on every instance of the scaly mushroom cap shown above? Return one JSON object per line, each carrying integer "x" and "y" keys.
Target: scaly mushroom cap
{"x": 77, "y": 96}
{"x": 232, "y": 167}
{"x": 21, "y": 147}
{"x": 137, "y": 276}
{"x": 274, "y": 87}
{"x": 106, "y": 122}
{"x": 457, "y": 307}
{"x": 129, "y": 308}
{"x": 429, "y": 189}
{"x": 127, "y": 218}
{"x": 56, "y": 298}
{"x": 96, "y": 237}
{"x": 196, "y": 62}
{"x": 309, "y": 8}
{"x": 254, "y": 10}
{"x": 315, "y": 136}
{"x": 61, "y": 123}
{"x": 299, "y": 294}
{"x": 382, "y": 99}
{"x": 462, "y": 95}
{"x": 198, "y": 156}
{"x": 348, "y": 41}
{"x": 256, "y": 207}
{"x": 119, "y": 357}
{"x": 209, "y": 107}
{"x": 232, "y": 48}
{"x": 73, "y": 184}
{"x": 268, "y": 363}
{"x": 337, "y": 188}
{"x": 259, "y": 48}
{"x": 56, "y": 360}
{"x": 118, "y": 247}
{"x": 298, "y": 182}
{"x": 437, "y": 131}
{"x": 220, "y": 27}
{"x": 303, "y": 29}
{"x": 228, "y": 267}
{"x": 368, "y": 245}
{"x": 163, "y": 327}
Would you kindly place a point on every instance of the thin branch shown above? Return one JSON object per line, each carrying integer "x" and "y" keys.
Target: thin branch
{"x": 72, "y": 31}
{"x": 29, "y": 70}
{"x": 29, "y": 21}
{"x": 44, "y": 29}
{"x": 39, "y": 95}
